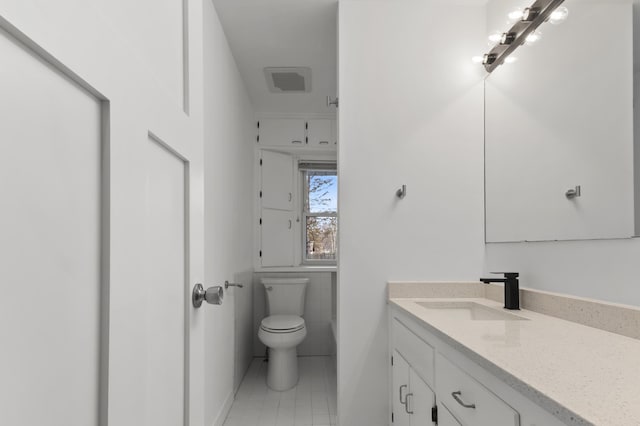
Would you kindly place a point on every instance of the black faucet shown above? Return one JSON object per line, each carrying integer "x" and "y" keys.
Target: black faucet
{"x": 511, "y": 288}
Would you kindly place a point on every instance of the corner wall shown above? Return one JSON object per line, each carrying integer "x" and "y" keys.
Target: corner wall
{"x": 228, "y": 132}
{"x": 411, "y": 105}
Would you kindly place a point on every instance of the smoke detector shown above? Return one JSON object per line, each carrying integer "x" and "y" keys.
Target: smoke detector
{"x": 288, "y": 79}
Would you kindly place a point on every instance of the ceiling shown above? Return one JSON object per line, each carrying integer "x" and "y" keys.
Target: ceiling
{"x": 283, "y": 33}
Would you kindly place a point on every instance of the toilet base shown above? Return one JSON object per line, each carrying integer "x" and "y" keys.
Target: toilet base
{"x": 282, "y": 373}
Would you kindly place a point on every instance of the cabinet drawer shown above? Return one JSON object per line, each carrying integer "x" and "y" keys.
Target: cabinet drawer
{"x": 418, "y": 353}
{"x": 488, "y": 410}
{"x": 445, "y": 418}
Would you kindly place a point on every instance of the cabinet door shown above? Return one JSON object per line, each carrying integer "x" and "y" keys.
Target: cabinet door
{"x": 282, "y": 132}
{"x": 399, "y": 390}
{"x": 420, "y": 400}
{"x": 445, "y": 418}
{"x": 277, "y": 238}
{"x": 277, "y": 180}
{"x": 320, "y": 133}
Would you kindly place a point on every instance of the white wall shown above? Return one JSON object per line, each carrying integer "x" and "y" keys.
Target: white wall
{"x": 410, "y": 113}
{"x": 229, "y": 130}
{"x": 317, "y": 312}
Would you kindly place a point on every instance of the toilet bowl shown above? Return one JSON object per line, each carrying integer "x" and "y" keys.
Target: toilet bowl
{"x": 283, "y": 329}
{"x": 282, "y": 334}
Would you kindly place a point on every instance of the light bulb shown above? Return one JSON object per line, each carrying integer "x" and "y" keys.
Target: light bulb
{"x": 494, "y": 38}
{"x": 507, "y": 38}
{"x": 510, "y": 59}
{"x": 477, "y": 59}
{"x": 529, "y": 14}
{"x": 533, "y": 38}
{"x": 515, "y": 15}
{"x": 559, "y": 15}
{"x": 489, "y": 58}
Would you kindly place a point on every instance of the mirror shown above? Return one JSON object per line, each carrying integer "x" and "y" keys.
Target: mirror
{"x": 561, "y": 117}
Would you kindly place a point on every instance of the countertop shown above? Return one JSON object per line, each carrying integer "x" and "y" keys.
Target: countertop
{"x": 582, "y": 375}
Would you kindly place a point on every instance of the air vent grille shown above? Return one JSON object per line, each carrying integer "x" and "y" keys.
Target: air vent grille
{"x": 288, "y": 79}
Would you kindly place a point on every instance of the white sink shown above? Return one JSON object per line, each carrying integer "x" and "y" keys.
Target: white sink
{"x": 470, "y": 311}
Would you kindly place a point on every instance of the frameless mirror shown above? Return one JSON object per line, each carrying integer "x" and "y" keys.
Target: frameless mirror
{"x": 559, "y": 128}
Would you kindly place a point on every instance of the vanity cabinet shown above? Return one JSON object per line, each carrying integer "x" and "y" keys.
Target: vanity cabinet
{"x": 445, "y": 418}
{"x": 440, "y": 378}
{"x": 414, "y": 399}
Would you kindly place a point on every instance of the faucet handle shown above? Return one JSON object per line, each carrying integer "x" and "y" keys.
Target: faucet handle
{"x": 508, "y": 274}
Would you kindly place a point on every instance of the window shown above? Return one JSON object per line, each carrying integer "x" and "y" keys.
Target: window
{"x": 319, "y": 212}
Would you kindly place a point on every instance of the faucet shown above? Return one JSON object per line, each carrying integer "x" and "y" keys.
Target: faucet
{"x": 511, "y": 288}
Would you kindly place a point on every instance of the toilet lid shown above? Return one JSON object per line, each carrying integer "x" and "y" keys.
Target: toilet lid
{"x": 282, "y": 323}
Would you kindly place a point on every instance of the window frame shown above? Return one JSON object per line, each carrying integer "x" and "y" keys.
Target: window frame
{"x": 332, "y": 168}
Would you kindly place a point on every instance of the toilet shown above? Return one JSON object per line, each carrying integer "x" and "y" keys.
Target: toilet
{"x": 283, "y": 329}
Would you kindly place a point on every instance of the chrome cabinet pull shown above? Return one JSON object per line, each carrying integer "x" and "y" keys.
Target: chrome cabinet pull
{"x": 290, "y": 196}
{"x": 406, "y": 405}
{"x": 290, "y": 223}
{"x": 324, "y": 142}
{"x": 296, "y": 141}
{"x": 405, "y": 399}
{"x": 457, "y": 395}
{"x": 227, "y": 284}
{"x": 269, "y": 288}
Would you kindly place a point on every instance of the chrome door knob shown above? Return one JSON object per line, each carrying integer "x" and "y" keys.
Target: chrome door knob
{"x": 212, "y": 295}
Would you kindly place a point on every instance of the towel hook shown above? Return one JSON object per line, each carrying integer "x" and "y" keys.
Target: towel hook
{"x": 401, "y": 192}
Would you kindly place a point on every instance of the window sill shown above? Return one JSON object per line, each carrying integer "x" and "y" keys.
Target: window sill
{"x": 303, "y": 268}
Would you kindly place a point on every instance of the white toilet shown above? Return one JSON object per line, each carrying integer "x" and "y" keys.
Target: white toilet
{"x": 283, "y": 329}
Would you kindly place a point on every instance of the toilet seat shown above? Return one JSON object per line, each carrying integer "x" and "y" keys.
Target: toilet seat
{"x": 282, "y": 323}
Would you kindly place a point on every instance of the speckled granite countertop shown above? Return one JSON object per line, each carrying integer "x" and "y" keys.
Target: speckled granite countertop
{"x": 582, "y": 375}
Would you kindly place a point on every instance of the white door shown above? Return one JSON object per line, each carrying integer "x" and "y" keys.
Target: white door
{"x": 50, "y": 244}
{"x": 86, "y": 339}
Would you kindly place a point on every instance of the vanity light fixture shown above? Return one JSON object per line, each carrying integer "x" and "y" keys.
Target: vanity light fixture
{"x": 523, "y": 30}
{"x": 507, "y": 38}
{"x": 529, "y": 14}
{"x": 489, "y": 58}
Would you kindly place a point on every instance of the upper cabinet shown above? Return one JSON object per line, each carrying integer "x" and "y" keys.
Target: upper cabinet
{"x": 321, "y": 133}
{"x": 313, "y": 134}
{"x": 282, "y": 132}
{"x": 276, "y": 170}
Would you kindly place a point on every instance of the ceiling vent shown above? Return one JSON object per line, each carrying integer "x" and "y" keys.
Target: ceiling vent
{"x": 288, "y": 79}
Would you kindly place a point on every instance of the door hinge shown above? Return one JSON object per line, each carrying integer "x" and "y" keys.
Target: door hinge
{"x": 261, "y": 161}
{"x": 391, "y": 417}
{"x": 260, "y": 194}
{"x": 306, "y": 125}
{"x": 434, "y": 414}
{"x": 258, "y": 139}
{"x": 260, "y": 253}
{"x": 258, "y": 125}
{"x": 306, "y": 139}
{"x": 260, "y": 221}
{"x": 392, "y": 360}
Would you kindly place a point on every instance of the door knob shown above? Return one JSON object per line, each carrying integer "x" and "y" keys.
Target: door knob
{"x": 212, "y": 295}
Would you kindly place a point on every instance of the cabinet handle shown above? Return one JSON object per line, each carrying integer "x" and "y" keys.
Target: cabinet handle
{"x": 289, "y": 223}
{"x": 406, "y": 405}
{"x": 456, "y": 396}
{"x": 290, "y": 197}
{"x": 324, "y": 142}
{"x": 296, "y": 141}
{"x": 405, "y": 399}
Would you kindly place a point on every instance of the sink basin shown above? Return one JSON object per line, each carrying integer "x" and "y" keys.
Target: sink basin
{"x": 470, "y": 311}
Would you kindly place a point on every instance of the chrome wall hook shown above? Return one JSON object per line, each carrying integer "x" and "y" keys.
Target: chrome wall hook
{"x": 401, "y": 192}
{"x": 573, "y": 192}
{"x": 332, "y": 102}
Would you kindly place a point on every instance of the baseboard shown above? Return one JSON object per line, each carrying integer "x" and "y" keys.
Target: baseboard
{"x": 224, "y": 411}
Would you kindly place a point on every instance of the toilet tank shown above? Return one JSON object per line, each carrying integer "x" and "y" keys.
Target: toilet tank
{"x": 285, "y": 296}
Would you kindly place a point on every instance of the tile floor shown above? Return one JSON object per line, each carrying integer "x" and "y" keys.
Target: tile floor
{"x": 311, "y": 402}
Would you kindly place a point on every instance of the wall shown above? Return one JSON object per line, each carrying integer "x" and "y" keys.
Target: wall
{"x": 228, "y": 132}
{"x": 317, "y": 312}
{"x": 411, "y": 105}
